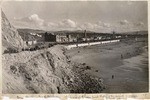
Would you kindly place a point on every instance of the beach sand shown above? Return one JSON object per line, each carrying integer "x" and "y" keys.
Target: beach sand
{"x": 127, "y": 61}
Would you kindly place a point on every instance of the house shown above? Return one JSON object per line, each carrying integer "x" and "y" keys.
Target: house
{"x": 71, "y": 38}
{"x": 49, "y": 37}
{"x": 63, "y": 37}
{"x": 117, "y": 36}
{"x": 31, "y": 41}
{"x": 28, "y": 39}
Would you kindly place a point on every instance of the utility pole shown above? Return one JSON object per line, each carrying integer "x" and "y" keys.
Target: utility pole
{"x": 113, "y": 34}
{"x": 23, "y": 42}
{"x": 85, "y": 35}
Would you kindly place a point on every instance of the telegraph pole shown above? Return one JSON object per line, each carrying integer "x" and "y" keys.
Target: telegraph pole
{"x": 85, "y": 35}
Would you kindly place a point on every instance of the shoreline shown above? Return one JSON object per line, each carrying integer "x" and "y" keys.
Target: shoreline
{"x": 129, "y": 82}
{"x": 105, "y": 61}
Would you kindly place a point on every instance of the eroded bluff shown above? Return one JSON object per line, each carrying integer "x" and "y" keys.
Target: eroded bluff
{"x": 46, "y": 71}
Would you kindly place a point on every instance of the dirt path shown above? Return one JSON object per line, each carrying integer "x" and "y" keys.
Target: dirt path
{"x": 123, "y": 60}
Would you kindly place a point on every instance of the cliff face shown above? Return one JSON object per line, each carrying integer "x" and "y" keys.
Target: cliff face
{"x": 45, "y": 71}
{"x": 10, "y": 36}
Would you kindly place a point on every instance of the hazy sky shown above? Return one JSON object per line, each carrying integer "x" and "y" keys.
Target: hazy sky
{"x": 102, "y": 16}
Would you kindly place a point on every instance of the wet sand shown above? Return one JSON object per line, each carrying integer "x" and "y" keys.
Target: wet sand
{"x": 126, "y": 61}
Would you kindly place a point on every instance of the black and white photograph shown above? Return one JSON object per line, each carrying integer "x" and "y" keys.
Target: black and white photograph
{"x": 59, "y": 47}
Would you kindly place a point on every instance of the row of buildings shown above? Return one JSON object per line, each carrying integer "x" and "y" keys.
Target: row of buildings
{"x": 65, "y": 37}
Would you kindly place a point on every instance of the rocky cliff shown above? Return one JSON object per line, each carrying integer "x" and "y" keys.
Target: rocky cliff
{"x": 46, "y": 71}
{"x": 35, "y": 72}
{"x": 10, "y": 36}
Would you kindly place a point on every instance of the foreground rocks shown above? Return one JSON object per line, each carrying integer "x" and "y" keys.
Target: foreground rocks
{"x": 46, "y": 71}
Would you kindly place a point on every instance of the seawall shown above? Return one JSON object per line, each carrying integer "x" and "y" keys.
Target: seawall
{"x": 90, "y": 43}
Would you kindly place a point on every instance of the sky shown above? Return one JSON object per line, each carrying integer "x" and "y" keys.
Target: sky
{"x": 98, "y": 16}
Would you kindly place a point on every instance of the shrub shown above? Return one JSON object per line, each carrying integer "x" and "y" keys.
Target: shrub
{"x": 11, "y": 50}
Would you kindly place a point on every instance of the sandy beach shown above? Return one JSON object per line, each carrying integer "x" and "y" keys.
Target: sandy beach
{"x": 126, "y": 61}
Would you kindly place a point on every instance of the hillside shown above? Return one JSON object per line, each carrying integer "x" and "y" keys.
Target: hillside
{"x": 46, "y": 71}
{"x": 10, "y": 36}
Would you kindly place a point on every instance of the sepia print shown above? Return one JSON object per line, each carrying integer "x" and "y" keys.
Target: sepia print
{"x": 74, "y": 47}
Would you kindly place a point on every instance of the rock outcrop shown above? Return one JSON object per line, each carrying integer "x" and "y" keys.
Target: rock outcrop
{"x": 45, "y": 71}
{"x": 10, "y": 36}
